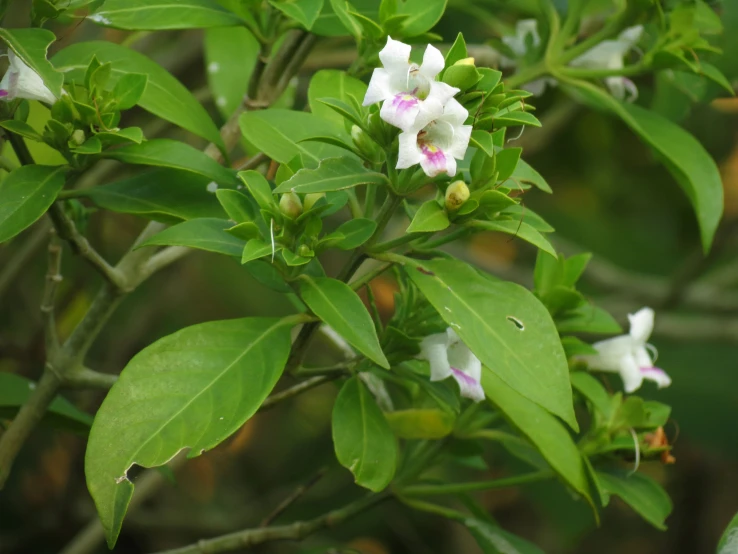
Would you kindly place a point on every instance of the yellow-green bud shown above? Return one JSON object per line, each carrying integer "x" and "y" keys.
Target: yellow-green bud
{"x": 305, "y": 251}
{"x": 463, "y": 74}
{"x": 290, "y": 205}
{"x": 311, "y": 199}
{"x": 456, "y": 194}
{"x": 78, "y": 137}
{"x": 465, "y": 61}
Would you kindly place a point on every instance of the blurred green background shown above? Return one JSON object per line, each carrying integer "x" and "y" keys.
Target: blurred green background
{"x": 611, "y": 197}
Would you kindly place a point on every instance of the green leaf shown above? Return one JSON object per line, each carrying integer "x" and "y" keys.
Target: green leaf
{"x": 495, "y": 540}
{"x": 255, "y": 249}
{"x": 121, "y": 136}
{"x": 362, "y": 438}
{"x": 686, "y": 159}
{"x": 332, "y": 174}
{"x": 336, "y": 304}
{"x": 640, "y": 492}
{"x": 15, "y": 392}
{"x": 716, "y": 76}
{"x": 488, "y": 314}
{"x": 588, "y": 319}
{"x": 506, "y": 162}
{"x": 430, "y": 217}
{"x": 154, "y": 15}
{"x": 422, "y": 15}
{"x": 592, "y": 389}
{"x": 191, "y": 389}
{"x": 161, "y": 194}
{"x": 546, "y": 433}
{"x": 512, "y": 119}
{"x": 350, "y": 235}
{"x": 424, "y": 423}
{"x": 524, "y": 173}
{"x": 259, "y": 188}
{"x": 237, "y": 205}
{"x": 27, "y": 193}
{"x": 174, "y": 155}
{"x": 729, "y": 537}
{"x": 278, "y": 133}
{"x": 30, "y": 45}
{"x": 204, "y": 234}
{"x": 338, "y": 20}
{"x": 229, "y": 75}
{"x": 164, "y": 95}
{"x": 332, "y": 83}
{"x": 129, "y": 89}
{"x": 305, "y": 12}
{"x": 457, "y": 52}
{"x": 519, "y": 229}
{"x": 21, "y": 128}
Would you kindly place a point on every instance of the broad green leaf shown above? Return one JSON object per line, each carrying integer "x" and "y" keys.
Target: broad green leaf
{"x": 519, "y": 229}
{"x": 259, "y": 188}
{"x": 121, "y": 136}
{"x": 174, "y": 154}
{"x": 546, "y": 433}
{"x": 362, "y": 438}
{"x": 588, "y": 319}
{"x": 456, "y": 53}
{"x": 154, "y": 15}
{"x": 640, "y": 492}
{"x": 495, "y": 540}
{"x": 230, "y": 57}
{"x": 336, "y": 304}
{"x": 191, "y": 389}
{"x": 164, "y": 95}
{"x": 729, "y": 538}
{"x": 305, "y": 12}
{"x": 506, "y": 161}
{"x": 593, "y": 390}
{"x": 656, "y": 414}
{"x": 21, "y": 128}
{"x": 424, "y": 423}
{"x": 245, "y": 231}
{"x": 203, "y": 233}
{"x": 422, "y": 15}
{"x": 332, "y": 174}
{"x": 505, "y": 326}
{"x": 332, "y": 83}
{"x": 430, "y": 217}
{"x": 237, "y": 205}
{"x": 716, "y": 76}
{"x": 524, "y": 173}
{"x": 15, "y": 392}
{"x": 278, "y": 133}
{"x": 686, "y": 159}
{"x": 30, "y": 45}
{"x": 255, "y": 249}
{"x": 350, "y": 235}
{"x": 26, "y": 194}
{"x": 162, "y": 194}
{"x": 129, "y": 89}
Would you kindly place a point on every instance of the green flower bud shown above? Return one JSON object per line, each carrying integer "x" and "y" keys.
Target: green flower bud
{"x": 364, "y": 144}
{"x": 456, "y": 194}
{"x": 290, "y": 205}
{"x": 305, "y": 251}
{"x": 311, "y": 199}
{"x": 463, "y": 74}
{"x": 78, "y": 137}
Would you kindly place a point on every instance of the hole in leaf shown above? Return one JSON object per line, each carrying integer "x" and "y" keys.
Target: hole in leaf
{"x": 515, "y": 321}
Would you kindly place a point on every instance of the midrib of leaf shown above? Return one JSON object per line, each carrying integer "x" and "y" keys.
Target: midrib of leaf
{"x": 206, "y": 388}
{"x": 28, "y": 198}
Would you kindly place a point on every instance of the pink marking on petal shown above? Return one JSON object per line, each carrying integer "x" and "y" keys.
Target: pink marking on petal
{"x": 656, "y": 374}
{"x": 461, "y": 376}
{"x": 3, "y": 93}
{"x": 435, "y": 156}
{"x": 403, "y": 102}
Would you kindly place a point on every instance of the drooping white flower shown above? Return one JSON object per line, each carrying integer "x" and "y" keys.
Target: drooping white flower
{"x": 407, "y": 90}
{"x": 20, "y": 81}
{"x": 609, "y": 54}
{"x": 629, "y": 354}
{"x": 436, "y": 141}
{"x": 449, "y": 357}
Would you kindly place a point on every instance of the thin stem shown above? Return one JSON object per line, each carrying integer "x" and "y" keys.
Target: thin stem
{"x": 354, "y": 206}
{"x": 292, "y": 498}
{"x": 85, "y": 378}
{"x": 294, "y": 531}
{"x": 337, "y": 369}
{"x": 611, "y": 28}
{"x": 370, "y": 199}
{"x": 367, "y": 277}
{"x": 10, "y": 268}
{"x": 431, "y": 508}
{"x": 299, "y": 388}
{"x": 53, "y": 278}
{"x": 7, "y": 164}
{"x": 582, "y": 73}
{"x": 395, "y": 242}
{"x": 456, "y": 488}
{"x": 526, "y": 75}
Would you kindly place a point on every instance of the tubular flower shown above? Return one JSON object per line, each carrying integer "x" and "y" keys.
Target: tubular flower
{"x": 20, "y": 81}
{"x": 609, "y": 54}
{"x": 629, "y": 355}
{"x": 449, "y": 357}
{"x": 407, "y": 90}
{"x": 434, "y": 141}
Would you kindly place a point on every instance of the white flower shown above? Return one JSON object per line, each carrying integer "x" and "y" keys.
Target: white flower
{"x": 407, "y": 89}
{"x": 629, "y": 354}
{"x": 449, "y": 357}
{"x": 526, "y": 34}
{"x": 20, "y": 81}
{"x": 609, "y": 54}
{"x": 435, "y": 140}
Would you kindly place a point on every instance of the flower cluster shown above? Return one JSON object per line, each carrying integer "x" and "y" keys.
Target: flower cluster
{"x": 424, "y": 109}
{"x": 20, "y": 81}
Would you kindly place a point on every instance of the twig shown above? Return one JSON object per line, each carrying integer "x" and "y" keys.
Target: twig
{"x": 292, "y": 498}
{"x": 53, "y": 278}
{"x": 299, "y": 388}
{"x": 23, "y": 254}
{"x": 456, "y": 488}
{"x": 294, "y": 531}
{"x": 85, "y": 378}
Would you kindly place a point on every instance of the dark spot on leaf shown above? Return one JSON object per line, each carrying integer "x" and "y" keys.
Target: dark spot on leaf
{"x": 515, "y": 321}
{"x": 425, "y": 271}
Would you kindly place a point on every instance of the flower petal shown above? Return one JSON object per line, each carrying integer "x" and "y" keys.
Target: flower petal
{"x": 434, "y": 348}
{"x": 609, "y": 353}
{"x": 433, "y": 62}
{"x": 631, "y": 36}
{"x": 641, "y": 324}
{"x": 435, "y": 161}
{"x": 630, "y": 373}
{"x": 657, "y": 375}
{"x": 380, "y": 87}
{"x": 409, "y": 153}
{"x": 454, "y": 112}
{"x": 401, "y": 110}
{"x": 395, "y": 56}
{"x": 460, "y": 142}
{"x": 441, "y": 92}
{"x": 468, "y": 386}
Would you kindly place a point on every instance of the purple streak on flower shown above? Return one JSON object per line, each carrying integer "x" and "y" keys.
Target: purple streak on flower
{"x": 435, "y": 156}
{"x": 467, "y": 379}
{"x": 404, "y": 102}
{"x": 657, "y": 375}
{"x": 3, "y": 93}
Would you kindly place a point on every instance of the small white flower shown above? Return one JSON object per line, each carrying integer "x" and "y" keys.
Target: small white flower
{"x": 526, "y": 34}
{"x": 436, "y": 139}
{"x": 609, "y": 54}
{"x": 407, "y": 90}
{"x": 20, "y": 81}
{"x": 449, "y": 357}
{"x": 629, "y": 354}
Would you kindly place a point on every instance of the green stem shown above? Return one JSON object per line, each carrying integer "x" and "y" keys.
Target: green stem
{"x": 394, "y": 243}
{"x": 7, "y": 164}
{"x": 369, "y": 200}
{"x": 582, "y": 73}
{"x": 610, "y": 29}
{"x": 369, "y": 275}
{"x": 526, "y": 75}
{"x": 457, "y": 488}
{"x": 432, "y": 508}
